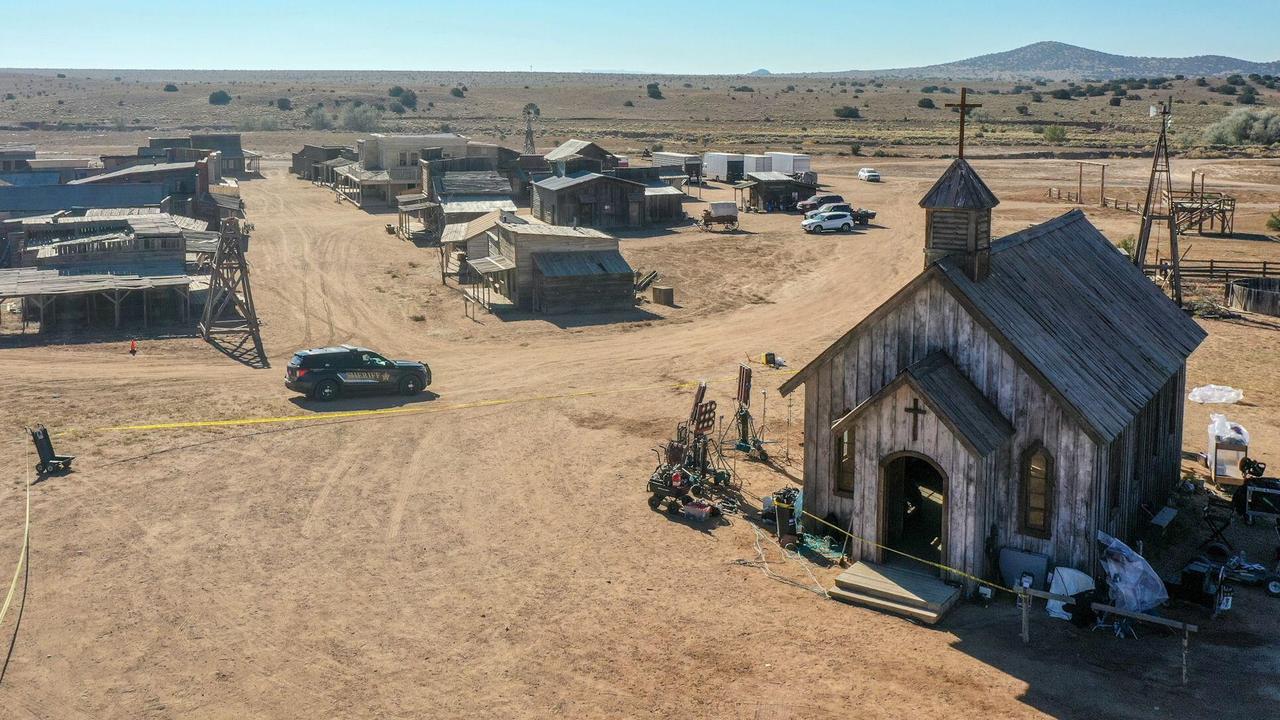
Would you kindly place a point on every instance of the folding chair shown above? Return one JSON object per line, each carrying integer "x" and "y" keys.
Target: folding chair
{"x": 1216, "y": 519}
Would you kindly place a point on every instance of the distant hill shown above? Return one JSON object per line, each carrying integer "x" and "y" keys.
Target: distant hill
{"x": 761, "y": 71}
{"x": 1055, "y": 60}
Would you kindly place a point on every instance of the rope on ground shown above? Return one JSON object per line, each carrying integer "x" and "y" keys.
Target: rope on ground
{"x": 939, "y": 566}
{"x": 763, "y": 565}
{"x": 23, "y": 570}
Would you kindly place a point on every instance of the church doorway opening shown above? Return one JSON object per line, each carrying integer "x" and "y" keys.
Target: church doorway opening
{"x": 913, "y": 512}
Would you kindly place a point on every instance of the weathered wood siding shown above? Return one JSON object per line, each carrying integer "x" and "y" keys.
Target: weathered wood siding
{"x": 885, "y": 431}
{"x": 587, "y": 293}
{"x": 931, "y": 319}
{"x": 1143, "y": 464}
{"x": 519, "y": 248}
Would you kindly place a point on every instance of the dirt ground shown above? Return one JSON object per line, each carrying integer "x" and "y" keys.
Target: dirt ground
{"x": 485, "y": 550}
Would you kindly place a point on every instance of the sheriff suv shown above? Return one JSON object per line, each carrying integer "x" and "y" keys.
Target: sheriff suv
{"x": 326, "y": 373}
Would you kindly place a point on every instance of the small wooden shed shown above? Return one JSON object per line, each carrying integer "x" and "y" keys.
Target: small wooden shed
{"x": 582, "y": 281}
{"x": 513, "y": 247}
{"x": 771, "y": 191}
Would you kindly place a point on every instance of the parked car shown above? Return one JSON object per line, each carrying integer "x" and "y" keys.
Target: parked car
{"x": 829, "y": 207}
{"x": 826, "y": 222}
{"x": 326, "y": 373}
{"x": 869, "y": 175}
{"x": 862, "y": 216}
{"x": 817, "y": 201}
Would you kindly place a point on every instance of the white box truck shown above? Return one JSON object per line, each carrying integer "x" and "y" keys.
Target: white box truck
{"x": 756, "y": 163}
{"x": 789, "y": 163}
{"x": 722, "y": 167}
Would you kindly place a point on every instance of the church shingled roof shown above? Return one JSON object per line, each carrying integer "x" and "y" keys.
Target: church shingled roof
{"x": 960, "y": 188}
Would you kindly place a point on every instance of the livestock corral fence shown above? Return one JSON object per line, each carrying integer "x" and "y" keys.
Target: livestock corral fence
{"x": 1075, "y": 196}
{"x": 1217, "y": 269}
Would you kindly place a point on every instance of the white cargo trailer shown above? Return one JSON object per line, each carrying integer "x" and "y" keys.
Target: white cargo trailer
{"x": 670, "y": 159}
{"x": 789, "y": 163}
{"x": 756, "y": 163}
{"x": 723, "y": 167}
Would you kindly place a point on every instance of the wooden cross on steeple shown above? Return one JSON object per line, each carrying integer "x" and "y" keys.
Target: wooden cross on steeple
{"x": 965, "y": 106}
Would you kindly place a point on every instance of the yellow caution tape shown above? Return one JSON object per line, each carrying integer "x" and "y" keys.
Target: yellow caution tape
{"x": 347, "y": 414}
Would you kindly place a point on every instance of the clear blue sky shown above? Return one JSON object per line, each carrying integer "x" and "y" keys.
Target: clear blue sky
{"x": 573, "y": 35}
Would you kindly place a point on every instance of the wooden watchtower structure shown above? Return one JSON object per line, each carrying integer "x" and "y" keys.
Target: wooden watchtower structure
{"x": 230, "y": 320}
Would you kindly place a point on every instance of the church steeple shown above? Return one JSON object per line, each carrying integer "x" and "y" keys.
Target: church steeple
{"x": 957, "y": 212}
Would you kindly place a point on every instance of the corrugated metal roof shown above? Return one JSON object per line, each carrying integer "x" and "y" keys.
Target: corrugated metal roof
{"x": 64, "y": 197}
{"x": 960, "y": 188}
{"x": 560, "y": 182}
{"x": 136, "y": 170}
{"x": 569, "y": 148}
{"x": 477, "y": 203}
{"x": 472, "y": 182}
{"x": 770, "y": 176}
{"x": 957, "y": 401}
{"x": 22, "y": 282}
{"x": 31, "y": 178}
{"x": 581, "y": 263}
{"x": 659, "y": 187}
{"x": 491, "y": 264}
{"x": 552, "y": 230}
{"x": 338, "y": 162}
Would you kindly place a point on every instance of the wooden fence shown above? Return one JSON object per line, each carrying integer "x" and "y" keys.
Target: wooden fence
{"x": 1213, "y": 269}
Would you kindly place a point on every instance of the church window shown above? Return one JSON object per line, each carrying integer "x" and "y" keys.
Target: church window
{"x": 1037, "y": 491}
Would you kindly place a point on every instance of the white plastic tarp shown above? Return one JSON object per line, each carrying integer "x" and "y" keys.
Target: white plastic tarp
{"x": 1066, "y": 581}
{"x": 1215, "y": 394}
{"x": 1135, "y": 586}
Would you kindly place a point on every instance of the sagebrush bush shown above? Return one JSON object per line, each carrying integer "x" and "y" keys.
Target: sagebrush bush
{"x": 1246, "y": 126}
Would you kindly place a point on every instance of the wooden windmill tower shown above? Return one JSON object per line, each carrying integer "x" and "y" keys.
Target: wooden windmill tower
{"x": 530, "y": 113}
{"x": 1158, "y": 206}
{"x": 229, "y": 320}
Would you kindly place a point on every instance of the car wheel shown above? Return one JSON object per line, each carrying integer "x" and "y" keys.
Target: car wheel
{"x": 846, "y": 227}
{"x": 325, "y": 390}
{"x": 1272, "y": 586}
{"x": 410, "y": 386}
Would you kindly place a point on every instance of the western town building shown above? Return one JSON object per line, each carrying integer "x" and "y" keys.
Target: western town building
{"x": 387, "y": 166}
{"x": 574, "y": 156}
{"x": 767, "y": 191}
{"x": 308, "y": 162}
{"x": 551, "y": 269}
{"x": 589, "y": 199}
{"x": 1022, "y": 393}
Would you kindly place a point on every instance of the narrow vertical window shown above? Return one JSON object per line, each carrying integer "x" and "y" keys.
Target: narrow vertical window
{"x": 1037, "y": 491}
{"x": 844, "y": 460}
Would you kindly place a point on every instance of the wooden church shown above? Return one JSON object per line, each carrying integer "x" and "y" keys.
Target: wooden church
{"x": 1019, "y": 393}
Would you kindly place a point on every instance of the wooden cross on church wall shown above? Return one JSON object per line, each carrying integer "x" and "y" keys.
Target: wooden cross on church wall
{"x": 916, "y": 411}
{"x": 965, "y": 106}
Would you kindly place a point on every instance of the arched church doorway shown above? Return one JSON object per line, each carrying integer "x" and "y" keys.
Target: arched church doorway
{"x": 913, "y": 511}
